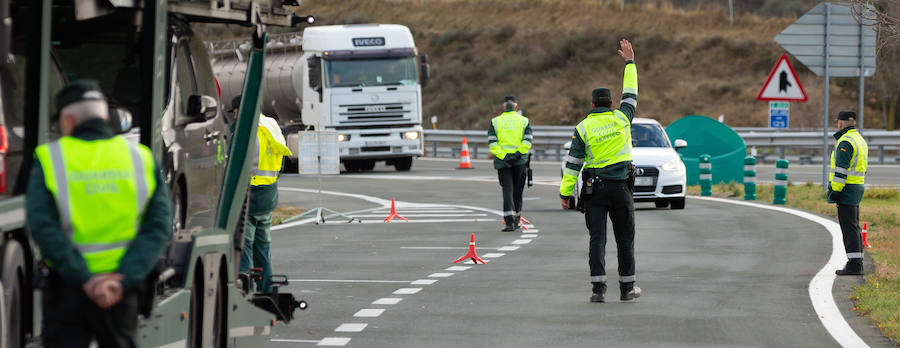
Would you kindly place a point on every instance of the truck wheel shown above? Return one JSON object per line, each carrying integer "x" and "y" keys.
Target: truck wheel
{"x": 367, "y": 164}
{"x": 678, "y": 203}
{"x": 195, "y": 324}
{"x": 403, "y": 164}
{"x": 13, "y": 296}
{"x": 661, "y": 204}
{"x": 352, "y": 166}
{"x": 220, "y": 318}
{"x": 291, "y": 166}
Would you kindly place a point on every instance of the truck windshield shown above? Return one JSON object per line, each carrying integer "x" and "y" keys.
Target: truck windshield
{"x": 372, "y": 72}
{"x": 648, "y": 135}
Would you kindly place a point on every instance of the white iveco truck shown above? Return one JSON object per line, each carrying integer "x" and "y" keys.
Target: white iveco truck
{"x": 363, "y": 81}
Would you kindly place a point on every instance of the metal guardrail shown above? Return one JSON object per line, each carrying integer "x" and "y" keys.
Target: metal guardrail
{"x": 548, "y": 142}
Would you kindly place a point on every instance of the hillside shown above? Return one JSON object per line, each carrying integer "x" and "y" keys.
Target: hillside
{"x": 552, "y": 53}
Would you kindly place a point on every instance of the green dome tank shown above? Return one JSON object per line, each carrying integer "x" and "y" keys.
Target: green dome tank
{"x": 705, "y": 135}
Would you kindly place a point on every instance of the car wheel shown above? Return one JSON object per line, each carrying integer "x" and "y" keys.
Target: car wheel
{"x": 678, "y": 203}
{"x": 403, "y": 164}
{"x": 661, "y": 204}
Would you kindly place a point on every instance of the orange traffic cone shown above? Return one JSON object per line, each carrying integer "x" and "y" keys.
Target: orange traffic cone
{"x": 865, "y": 235}
{"x": 471, "y": 254}
{"x": 523, "y": 221}
{"x": 393, "y": 213}
{"x": 464, "y": 162}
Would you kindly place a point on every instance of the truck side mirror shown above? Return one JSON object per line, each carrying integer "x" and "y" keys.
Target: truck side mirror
{"x": 424, "y": 69}
{"x": 314, "y": 64}
{"x": 5, "y": 36}
{"x": 120, "y": 119}
{"x": 201, "y": 107}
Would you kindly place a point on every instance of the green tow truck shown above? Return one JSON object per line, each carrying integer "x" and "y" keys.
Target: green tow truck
{"x": 162, "y": 93}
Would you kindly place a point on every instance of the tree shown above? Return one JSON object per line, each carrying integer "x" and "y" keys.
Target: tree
{"x": 885, "y": 16}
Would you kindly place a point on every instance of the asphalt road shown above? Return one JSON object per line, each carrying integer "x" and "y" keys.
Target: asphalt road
{"x": 713, "y": 274}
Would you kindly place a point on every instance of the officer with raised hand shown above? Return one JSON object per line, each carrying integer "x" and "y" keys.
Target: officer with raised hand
{"x": 601, "y": 151}
{"x": 849, "y": 162}
{"x": 509, "y": 138}
{"x": 98, "y": 210}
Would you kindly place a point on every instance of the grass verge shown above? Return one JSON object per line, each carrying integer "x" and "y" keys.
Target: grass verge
{"x": 879, "y": 298}
{"x": 283, "y": 212}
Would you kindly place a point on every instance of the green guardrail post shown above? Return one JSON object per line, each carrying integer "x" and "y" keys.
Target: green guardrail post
{"x": 749, "y": 178}
{"x": 705, "y": 176}
{"x": 781, "y": 180}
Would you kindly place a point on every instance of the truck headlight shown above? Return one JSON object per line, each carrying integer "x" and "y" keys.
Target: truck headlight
{"x": 672, "y": 165}
{"x": 343, "y": 137}
{"x": 411, "y": 135}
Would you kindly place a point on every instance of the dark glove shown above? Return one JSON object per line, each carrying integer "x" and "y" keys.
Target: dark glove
{"x": 834, "y": 195}
{"x": 510, "y": 158}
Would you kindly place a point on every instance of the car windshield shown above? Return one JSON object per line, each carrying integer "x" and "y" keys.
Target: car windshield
{"x": 648, "y": 135}
{"x": 372, "y": 72}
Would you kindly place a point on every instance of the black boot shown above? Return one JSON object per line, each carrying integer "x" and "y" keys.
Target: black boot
{"x": 599, "y": 290}
{"x": 510, "y": 227}
{"x": 629, "y": 291}
{"x": 853, "y": 267}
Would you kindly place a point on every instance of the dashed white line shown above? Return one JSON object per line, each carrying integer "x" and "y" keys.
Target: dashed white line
{"x": 444, "y": 248}
{"x": 407, "y": 291}
{"x": 457, "y": 268}
{"x": 493, "y": 255}
{"x": 521, "y": 241}
{"x": 345, "y": 281}
{"x": 414, "y": 215}
{"x": 334, "y": 341}
{"x": 387, "y": 301}
{"x": 508, "y": 248}
{"x": 424, "y": 282}
{"x": 286, "y": 340}
{"x": 369, "y": 313}
{"x": 440, "y": 275}
{"x": 470, "y": 262}
{"x": 533, "y": 230}
{"x": 529, "y": 236}
{"x": 351, "y": 327}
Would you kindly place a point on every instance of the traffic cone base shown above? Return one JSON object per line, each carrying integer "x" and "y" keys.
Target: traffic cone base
{"x": 393, "y": 213}
{"x": 464, "y": 162}
{"x": 865, "y": 233}
{"x": 471, "y": 254}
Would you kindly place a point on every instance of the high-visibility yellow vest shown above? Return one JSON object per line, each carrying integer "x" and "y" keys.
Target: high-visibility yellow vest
{"x": 856, "y": 174}
{"x": 510, "y": 130}
{"x": 606, "y": 137}
{"x": 101, "y": 188}
{"x": 272, "y": 147}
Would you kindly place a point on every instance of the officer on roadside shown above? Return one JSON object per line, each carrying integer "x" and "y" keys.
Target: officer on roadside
{"x": 601, "y": 146}
{"x": 509, "y": 138}
{"x": 849, "y": 161}
{"x": 98, "y": 209}
{"x": 270, "y": 149}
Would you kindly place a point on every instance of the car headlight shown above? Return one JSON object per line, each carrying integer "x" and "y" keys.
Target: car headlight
{"x": 343, "y": 138}
{"x": 672, "y": 165}
{"x": 411, "y": 135}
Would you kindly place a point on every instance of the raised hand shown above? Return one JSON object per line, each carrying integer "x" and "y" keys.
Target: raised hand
{"x": 626, "y": 51}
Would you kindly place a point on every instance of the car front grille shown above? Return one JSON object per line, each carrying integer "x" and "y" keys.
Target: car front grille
{"x": 355, "y": 114}
{"x": 644, "y": 171}
{"x": 671, "y": 189}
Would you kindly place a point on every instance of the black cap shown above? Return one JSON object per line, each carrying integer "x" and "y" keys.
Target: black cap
{"x": 509, "y": 98}
{"x": 846, "y": 115}
{"x": 235, "y": 102}
{"x": 76, "y": 91}
{"x": 601, "y": 94}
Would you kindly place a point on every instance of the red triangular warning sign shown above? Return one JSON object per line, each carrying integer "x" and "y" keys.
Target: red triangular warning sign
{"x": 783, "y": 83}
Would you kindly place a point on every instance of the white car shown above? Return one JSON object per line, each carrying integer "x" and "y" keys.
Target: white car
{"x": 660, "y": 172}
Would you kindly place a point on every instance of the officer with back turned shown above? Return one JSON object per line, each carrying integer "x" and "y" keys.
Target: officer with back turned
{"x": 602, "y": 147}
{"x": 849, "y": 161}
{"x": 509, "y": 138}
{"x": 98, "y": 209}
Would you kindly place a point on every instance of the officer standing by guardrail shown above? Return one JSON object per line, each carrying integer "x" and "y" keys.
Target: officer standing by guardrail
{"x": 98, "y": 209}
{"x": 849, "y": 161}
{"x": 509, "y": 138}
{"x": 270, "y": 149}
{"x": 602, "y": 146}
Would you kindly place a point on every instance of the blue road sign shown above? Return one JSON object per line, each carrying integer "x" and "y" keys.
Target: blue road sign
{"x": 778, "y": 121}
{"x": 779, "y": 114}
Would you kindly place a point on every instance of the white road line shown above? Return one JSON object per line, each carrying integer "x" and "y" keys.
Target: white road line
{"x": 351, "y": 327}
{"x": 415, "y": 221}
{"x": 457, "y": 268}
{"x": 369, "y": 313}
{"x": 533, "y": 230}
{"x": 424, "y": 282}
{"x": 470, "y": 262}
{"x": 444, "y": 248}
{"x": 521, "y": 241}
{"x": 285, "y": 340}
{"x": 529, "y": 236}
{"x": 508, "y": 248}
{"x": 820, "y": 287}
{"x": 493, "y": 255}
{"x": 406, "y": 291}
{"x": 423, "y": 211}
{"x": 413, "y": 215}
{"x": 345, "y": 281}
{"x": 387, "y": 301}
{"x": 440, "y": 275}
{"x": 334, "y": 341}
{"x": 528, "y": 226}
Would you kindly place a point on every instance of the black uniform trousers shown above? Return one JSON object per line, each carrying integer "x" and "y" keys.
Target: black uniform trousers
{"x": 512, "y": 180}
{"x": 613, "y": 199}
{"x": 848, "y": 217}
{"x": 71, "y": 319}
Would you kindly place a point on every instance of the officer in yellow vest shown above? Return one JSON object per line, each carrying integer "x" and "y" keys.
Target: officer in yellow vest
{"x": 849, "y": 161}
{"x": 509, "y": 138}
{"x": 601, "y": 152}
{"x": 270, "y": 149}
{"x": 98, "y": 209}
